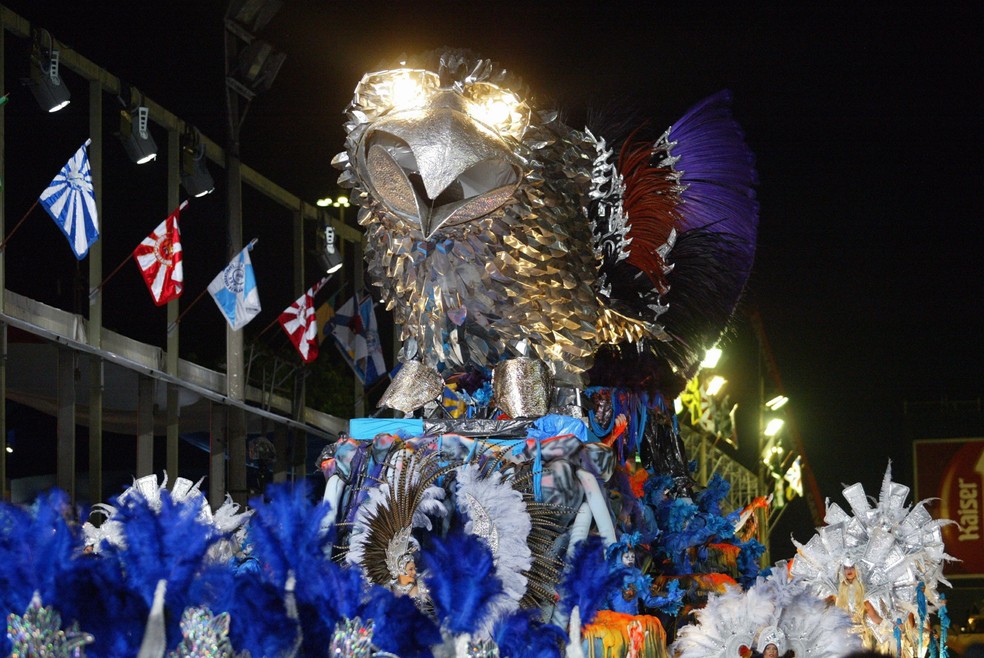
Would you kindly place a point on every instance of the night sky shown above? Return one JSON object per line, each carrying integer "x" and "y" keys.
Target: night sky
{"x": 866, "y": 123}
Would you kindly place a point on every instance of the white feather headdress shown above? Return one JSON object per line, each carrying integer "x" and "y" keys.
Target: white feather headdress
{"x": 775, "y": 610}
{"x": 894, "y": 547}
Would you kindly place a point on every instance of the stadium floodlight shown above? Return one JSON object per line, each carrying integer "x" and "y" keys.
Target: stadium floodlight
{"x": 135, "y": 134}
{"x": 330, "y": 257}
{"x": 195, "y": 177}
{"x": 45, "y": 79}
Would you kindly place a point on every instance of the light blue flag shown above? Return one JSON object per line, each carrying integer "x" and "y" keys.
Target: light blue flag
{"x": 71, "y": 202}
{"x": 234, "y": 290}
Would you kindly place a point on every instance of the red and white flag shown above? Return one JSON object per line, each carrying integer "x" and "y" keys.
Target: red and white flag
{"x": 159, "y": 259}
{"x": 301, "y": 325}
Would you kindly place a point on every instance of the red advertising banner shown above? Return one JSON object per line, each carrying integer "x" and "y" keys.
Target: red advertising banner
{"x": 951, "y": 473}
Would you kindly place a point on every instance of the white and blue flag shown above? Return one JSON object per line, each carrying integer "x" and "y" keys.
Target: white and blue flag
{"x": 71, "y": 202}
{"x": 234, "y": 290}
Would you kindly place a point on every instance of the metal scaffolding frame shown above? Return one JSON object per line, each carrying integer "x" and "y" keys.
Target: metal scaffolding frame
{"x": 150, "y": 363}
{"x": 745, "y": 483}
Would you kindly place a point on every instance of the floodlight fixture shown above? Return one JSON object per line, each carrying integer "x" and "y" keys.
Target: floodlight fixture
{"x": 711, "y": 358}
{"x": 257, "y": 67}
{"x": 715, "y": 385}
{"x": 328, "y": 202}
{"x": 253, "y": 14}
{"x": 330, "y": 257}
{"x": 773, "y": 426}
{"x": 135, "y": 134}
{"x": 45, "y": 80}
{"x": 195, "y": 176}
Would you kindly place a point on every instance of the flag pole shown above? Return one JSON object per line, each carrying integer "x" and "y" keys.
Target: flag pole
{"x": 268, "y": 327}
{"x": 3, "y": 245}
{"x": 95, "y": 291}
{"x": 174, "y": 325}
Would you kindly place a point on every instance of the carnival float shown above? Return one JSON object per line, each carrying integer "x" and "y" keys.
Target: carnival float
{"x": 524, "y": 489}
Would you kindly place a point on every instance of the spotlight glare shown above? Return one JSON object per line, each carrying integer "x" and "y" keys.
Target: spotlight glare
{"x": 773, "y": 426}
{"x": 711, "y": 358}
{"x": 777, "y": 402}
{"x": 715, "y": 384}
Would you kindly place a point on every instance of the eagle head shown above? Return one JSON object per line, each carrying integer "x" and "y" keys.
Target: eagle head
{"x": 473, "y": 202}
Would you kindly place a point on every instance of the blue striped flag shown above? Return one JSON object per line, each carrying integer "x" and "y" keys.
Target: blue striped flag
{"x": 71, "y": 202}
{"x": 234, "y": 290}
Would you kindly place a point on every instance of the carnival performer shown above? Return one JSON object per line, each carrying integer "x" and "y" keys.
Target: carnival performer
{"x": 883, "y": 564}
{"x": 851, "y": 598}
{"x": 778, "y": 616}
{"x": 772, "y": 643}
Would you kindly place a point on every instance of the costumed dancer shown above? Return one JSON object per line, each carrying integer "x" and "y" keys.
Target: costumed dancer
{"x": 883, "y": 565}
{"x": 778, "y": 616}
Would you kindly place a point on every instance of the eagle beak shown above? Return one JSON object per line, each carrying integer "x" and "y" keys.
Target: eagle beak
{"x": 438, "y": 167}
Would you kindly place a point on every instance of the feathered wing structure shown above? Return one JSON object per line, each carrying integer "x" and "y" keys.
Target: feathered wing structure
{"x": 496, "y": 513}
{"x": 494, "y": 230}
{"x": 689, "y": 205}
{"x": 894, "y": 546}
{"x": 728, "y": 622}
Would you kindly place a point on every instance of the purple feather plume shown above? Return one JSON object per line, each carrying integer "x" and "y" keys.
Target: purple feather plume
{"x": 718, "y": 170}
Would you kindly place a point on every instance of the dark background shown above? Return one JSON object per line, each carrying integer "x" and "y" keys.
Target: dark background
{"x": 866, "y": 122}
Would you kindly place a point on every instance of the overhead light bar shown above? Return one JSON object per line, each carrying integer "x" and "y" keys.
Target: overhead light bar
{"x": 135, "y": 134}
{"x": 195, "y": 176}
{"x": 45, "y": 80}
{"x": 777, "y": 402}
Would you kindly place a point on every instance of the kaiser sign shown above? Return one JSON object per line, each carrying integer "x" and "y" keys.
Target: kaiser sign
{"x": 951, "y": 471}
